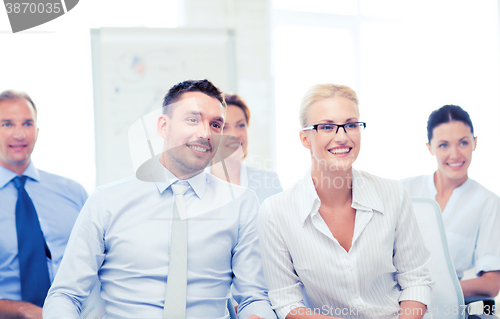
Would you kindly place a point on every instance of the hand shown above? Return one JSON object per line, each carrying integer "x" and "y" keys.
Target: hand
{"x": 254, "y": 317}
{"x": 409, "y": 309}
{"x": 19, "y": 309}
{"x": 30, "y": 311}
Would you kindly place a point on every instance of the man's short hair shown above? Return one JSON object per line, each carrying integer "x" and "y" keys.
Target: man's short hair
{"x": 11, "y": 95}
{"x": 203, "y": 86}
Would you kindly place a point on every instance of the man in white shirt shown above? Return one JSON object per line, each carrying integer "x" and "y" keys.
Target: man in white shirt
{"x": 123, "y": 235}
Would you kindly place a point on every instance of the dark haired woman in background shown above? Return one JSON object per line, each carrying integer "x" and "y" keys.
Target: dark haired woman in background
{"x": 471, "y": 213}
{"x": 264, "y": 183}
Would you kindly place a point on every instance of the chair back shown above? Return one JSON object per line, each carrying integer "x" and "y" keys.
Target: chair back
{"x": 447, "y": 298}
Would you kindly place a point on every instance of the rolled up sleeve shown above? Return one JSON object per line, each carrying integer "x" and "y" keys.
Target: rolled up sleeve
{"x": 487, "y": 247}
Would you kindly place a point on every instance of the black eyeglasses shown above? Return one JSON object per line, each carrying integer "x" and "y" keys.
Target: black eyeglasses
{"x": 354, "y": 127}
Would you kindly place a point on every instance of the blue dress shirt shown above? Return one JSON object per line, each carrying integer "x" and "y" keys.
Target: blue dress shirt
{"x": 57, "y": 201}
{"x": 122, "y": 237}
{"x": 264, "y": 183}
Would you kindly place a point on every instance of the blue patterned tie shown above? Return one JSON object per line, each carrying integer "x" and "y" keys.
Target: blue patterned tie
{"x": 32, "y": 249}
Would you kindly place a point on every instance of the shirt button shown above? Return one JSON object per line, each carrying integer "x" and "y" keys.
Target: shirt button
{"x": 356, "y": 295}
{"x": 350, "y": 267}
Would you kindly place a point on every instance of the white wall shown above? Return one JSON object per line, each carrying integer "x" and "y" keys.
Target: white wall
{"x": 404, "y": 59}
{"x": 52, "y": 64}
{"x": 251, "y": 22}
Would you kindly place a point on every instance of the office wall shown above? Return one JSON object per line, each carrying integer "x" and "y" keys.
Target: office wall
{"x": 251, "y": 21}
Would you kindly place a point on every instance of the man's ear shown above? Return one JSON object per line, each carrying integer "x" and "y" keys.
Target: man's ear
{"x": 475, "y": 144}
{"x": 304, "y": 140}
{"x": 429, "y": 148}
{"x": 161, "y": 125}
{"x": 36, "y": 134}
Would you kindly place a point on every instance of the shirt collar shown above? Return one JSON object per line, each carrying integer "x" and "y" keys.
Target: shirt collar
{"x": 6, "y": 175}
{"x": 163, "y": 178}
{"x": 308, "y": 200}
{"x": 431, "y": 185}
{"x": 364, "y": 196}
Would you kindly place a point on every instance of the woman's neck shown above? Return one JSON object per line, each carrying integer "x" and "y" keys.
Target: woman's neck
{"x": 445, "y": 187}
{"x": 444, "y": 184}
{"x": 233, "y": 168}
{"x": 334, "y": 188}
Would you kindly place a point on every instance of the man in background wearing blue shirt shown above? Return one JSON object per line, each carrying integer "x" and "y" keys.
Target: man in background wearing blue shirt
{"x": 37, "y": 212}
{"x": 128, "y": 234}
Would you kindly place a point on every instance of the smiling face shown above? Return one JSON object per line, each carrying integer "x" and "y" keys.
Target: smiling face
{"x": 191, "y": 133}
{"x": 236, "y": 126}
{"x": 452, "y": 143}
{"x": 332, "y": 151}
{"x": 18, "y": 134}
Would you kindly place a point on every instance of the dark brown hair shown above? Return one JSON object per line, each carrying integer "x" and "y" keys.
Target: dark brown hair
{"x": 203, "y": 86}
{"x": 447, "y": 114}
{"x": 236, "y": 100}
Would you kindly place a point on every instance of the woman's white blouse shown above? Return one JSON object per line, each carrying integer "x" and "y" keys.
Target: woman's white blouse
{"x": 386, "y": 263}
{"x": 471, "y": 220}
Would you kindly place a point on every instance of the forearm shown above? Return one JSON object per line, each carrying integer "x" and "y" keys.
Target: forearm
{"x": 488, "y": 284}
{"x": 10, "y": 309}
{"x": 303, "y": 313}
{"x": 410, "y": 309}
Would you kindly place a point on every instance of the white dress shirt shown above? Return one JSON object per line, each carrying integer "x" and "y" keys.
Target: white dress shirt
{"x": 386, "y": 263}
{"x": 122, "y": 237}
{"x": 471, "y": 220}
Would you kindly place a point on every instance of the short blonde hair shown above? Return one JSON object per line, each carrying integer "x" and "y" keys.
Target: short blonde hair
{"x": 321, "y": 92}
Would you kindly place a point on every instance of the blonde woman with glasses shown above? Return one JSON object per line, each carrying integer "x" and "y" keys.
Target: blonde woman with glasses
{"x": 343, "y": 240}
